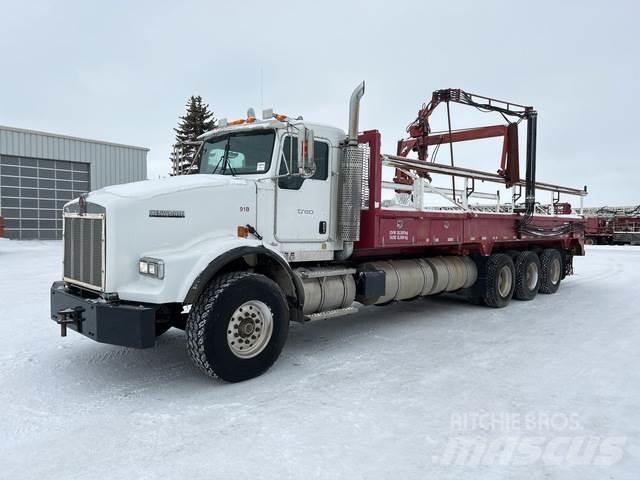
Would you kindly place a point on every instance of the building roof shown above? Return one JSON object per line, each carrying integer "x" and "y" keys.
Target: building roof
{"x": 55, "y": 135}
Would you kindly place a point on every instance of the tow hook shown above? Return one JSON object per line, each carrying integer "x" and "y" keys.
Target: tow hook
{"x": 70, "y": 315}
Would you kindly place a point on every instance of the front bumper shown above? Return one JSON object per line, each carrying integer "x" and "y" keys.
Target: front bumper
{"x": 115, "y": 323}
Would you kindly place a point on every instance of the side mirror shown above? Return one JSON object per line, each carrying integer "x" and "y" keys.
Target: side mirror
{"x": 306, "y": 161}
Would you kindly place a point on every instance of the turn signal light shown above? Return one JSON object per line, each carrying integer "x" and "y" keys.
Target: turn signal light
{"x": 243, "y": 232}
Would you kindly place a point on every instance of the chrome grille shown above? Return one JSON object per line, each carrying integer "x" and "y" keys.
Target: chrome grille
{"x": 84, "y": 250}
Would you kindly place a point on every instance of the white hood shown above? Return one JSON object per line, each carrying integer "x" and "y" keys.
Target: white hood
{"x": 210, "y": 206}
{"x": 153, "y": 188}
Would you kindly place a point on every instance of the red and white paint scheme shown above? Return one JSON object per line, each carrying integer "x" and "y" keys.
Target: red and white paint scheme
{"x": 280, "y": 220}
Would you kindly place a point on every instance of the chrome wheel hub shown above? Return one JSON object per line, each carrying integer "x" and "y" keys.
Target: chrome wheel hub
{"x": 532, "y": 276}
{"x": 554, "y": 274}
{"x": 505, "y": 279}
{"x": 250, "y": 329}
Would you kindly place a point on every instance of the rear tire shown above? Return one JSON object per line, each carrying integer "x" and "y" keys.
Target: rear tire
{"x": 550, "y": 270}
{"x": 499, "y": 280}
{"x": 237, "y": 327}
{"x": 527, "y": 266}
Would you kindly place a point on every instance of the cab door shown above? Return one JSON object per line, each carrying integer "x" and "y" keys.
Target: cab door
{"x": 303, "y": 206}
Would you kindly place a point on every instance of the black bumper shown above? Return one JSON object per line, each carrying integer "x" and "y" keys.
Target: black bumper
{"x": 114, "y": 323}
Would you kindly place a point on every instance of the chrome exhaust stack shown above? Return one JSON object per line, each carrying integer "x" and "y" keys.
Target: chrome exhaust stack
{"x": 350, "y": 187}
{"x": 354, "y": 113}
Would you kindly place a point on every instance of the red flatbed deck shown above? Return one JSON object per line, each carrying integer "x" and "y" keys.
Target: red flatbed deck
{"x": 387, "y": 231}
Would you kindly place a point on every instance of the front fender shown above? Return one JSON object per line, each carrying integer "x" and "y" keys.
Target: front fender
{"x": 184, "y": 267}
{"x": 263, "y": 260}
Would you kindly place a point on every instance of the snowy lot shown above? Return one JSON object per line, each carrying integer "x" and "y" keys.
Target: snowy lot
{"x": 385, "y": 393}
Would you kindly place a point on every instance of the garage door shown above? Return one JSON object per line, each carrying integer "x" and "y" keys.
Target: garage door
{"x": 33, "y": 192}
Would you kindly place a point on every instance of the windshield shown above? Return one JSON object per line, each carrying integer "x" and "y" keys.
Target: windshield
{"x": 238, "y": 153}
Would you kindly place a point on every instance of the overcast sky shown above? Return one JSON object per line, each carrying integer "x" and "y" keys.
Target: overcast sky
{"x": 122, "y": 71}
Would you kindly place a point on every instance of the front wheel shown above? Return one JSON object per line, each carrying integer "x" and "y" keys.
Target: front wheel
{"x": 238, "y": 326}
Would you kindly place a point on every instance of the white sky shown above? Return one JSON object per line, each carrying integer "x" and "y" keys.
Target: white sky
{"x": 122, "y": 71}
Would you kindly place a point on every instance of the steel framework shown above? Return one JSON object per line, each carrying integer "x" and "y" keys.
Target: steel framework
{"x": 420, "y": 138}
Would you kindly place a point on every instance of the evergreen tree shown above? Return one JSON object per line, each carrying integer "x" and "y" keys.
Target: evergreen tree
{"x": 197, "y": 120}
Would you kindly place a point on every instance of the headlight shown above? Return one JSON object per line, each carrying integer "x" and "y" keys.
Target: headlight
{"x": 152, "y": 267}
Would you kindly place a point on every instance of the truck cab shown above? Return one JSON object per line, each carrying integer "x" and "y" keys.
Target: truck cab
{"x": 295, "y": 212}
{"x": 262, "y": 196}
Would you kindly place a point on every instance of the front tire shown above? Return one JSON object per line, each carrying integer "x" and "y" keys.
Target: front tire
{"x": 237, "y": 327}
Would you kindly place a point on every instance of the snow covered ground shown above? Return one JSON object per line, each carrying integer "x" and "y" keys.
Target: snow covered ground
{"x": 392, "y": 392}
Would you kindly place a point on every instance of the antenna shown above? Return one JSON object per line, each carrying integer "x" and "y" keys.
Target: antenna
{"x": 261, "y": 90}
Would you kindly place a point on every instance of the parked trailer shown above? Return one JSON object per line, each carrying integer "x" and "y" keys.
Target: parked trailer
{"x": 612, "y": 226}
{"x": 291, "y": 221}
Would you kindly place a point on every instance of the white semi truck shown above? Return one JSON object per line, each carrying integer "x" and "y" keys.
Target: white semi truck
{"x": 282, "y": 220}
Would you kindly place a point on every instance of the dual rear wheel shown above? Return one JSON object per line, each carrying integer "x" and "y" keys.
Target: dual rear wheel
{"x": 521, "y": 275}
{"x": 551, "y": 270}
{"x": 527, "y": 266}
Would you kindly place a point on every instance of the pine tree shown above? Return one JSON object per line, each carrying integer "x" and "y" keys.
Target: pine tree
{"x": 197, "y": 120}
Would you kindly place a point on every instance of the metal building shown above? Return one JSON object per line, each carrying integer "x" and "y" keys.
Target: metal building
{"x": 40, "y": 172}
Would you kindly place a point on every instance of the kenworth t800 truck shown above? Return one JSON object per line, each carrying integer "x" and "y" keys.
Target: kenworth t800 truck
{"x": 279, "y": 220}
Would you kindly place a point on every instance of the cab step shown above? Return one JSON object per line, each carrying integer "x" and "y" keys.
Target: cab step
{"x": 338, "y": 312}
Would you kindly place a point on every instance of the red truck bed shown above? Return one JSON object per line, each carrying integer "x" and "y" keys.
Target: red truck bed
{"x": 388, "y": 231}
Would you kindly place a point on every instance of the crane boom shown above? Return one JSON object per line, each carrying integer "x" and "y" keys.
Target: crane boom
{"x": 420, "y": 137}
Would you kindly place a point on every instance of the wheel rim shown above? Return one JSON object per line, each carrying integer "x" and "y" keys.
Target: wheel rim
{"x": 505, "y": 280}
{"x": 554, "y": 271}
{"x": 250, "y": 329}
{"x": 532, "y": 276}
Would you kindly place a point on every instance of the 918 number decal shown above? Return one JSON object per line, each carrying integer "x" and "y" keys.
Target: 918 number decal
{"x": 244, "y": 209}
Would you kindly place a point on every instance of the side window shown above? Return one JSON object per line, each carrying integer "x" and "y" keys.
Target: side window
{"x": 321, "y": 157}
{"x": 290, "y": 151}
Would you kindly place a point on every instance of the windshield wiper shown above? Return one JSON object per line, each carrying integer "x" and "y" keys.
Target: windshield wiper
{"x": 226, "y": 162}
{"x": 215, "y": 169}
